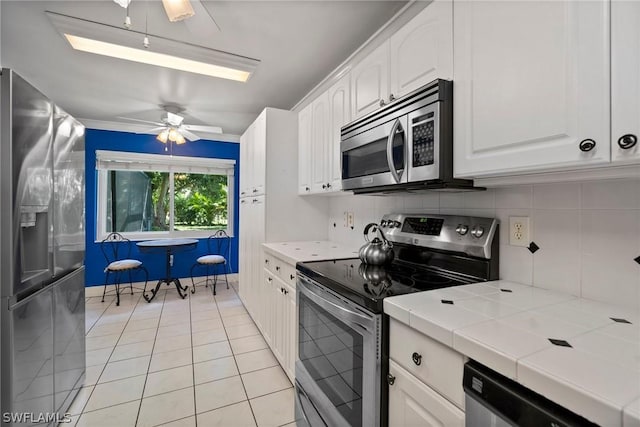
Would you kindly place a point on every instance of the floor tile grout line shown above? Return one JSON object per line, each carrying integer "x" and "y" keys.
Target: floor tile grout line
{"x": 146, "y": 378}
{"x": 103, "y": 366}
{"x": 193, "y": 364}
{"x": 255, "y": 420}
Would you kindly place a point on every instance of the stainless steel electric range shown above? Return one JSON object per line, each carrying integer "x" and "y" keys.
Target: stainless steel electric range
{"x": 343, "y": 334}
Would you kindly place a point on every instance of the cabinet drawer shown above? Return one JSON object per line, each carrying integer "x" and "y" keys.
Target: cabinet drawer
{"x": 289, "y": 274}
{"x": 437, "y": 365}
{"x": 269, "y": 262}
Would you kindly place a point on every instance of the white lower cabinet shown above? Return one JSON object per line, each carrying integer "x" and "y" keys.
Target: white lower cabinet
{"x": 279, "y": 313}
{"x": 425, "y": 380}
{"x": 413, "y": 404}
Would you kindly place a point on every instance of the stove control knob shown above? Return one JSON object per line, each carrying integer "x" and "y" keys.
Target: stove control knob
{"x": 397, "y": 224}
{"x": 462, "y": 229}
{"x": 477, "y": 232}
{"x": 383, "y": 223}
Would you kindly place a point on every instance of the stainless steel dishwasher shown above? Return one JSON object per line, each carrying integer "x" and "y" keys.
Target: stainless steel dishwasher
{"x": 496, "y": 401}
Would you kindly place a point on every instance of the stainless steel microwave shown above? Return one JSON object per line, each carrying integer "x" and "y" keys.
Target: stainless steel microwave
{"x": 406, "y": 145}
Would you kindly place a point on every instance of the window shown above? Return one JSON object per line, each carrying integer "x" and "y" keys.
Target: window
{"x": 149, "y": 195}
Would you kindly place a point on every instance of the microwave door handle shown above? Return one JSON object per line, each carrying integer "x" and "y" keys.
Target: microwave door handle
{"x": 396, "y": 125}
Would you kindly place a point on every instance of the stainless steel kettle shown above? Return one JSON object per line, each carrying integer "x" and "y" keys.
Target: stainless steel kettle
{"x": 378, "y": 251}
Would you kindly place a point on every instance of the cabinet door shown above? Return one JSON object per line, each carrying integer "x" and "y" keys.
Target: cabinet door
{"x": 244, "y": 264}
{"x": 267, "y": 304}
{"x": 319, "y": 139}
{"x": 625, "y": 80}
{"x": 531, "y": 85}
{"x": 245, "y": 166}
{"x": 370, "y": 82}
{"x": 339, "y": 115}
{"x": 280, "y": 332}
{"x": 411, "y": 403}
{"x": 304, "y": 150}
{"x": 259, "y": 154}
{"x": 291, "y": 310}
{"x": 431, "y": 34}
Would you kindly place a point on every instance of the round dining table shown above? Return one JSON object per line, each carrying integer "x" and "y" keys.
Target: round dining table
{"x": 167, "y": 247}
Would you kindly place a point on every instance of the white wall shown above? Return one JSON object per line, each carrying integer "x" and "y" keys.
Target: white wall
{"x": 588, "y": 234}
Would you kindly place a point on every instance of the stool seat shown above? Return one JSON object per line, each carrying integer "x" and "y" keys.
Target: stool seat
{"x": 123, "y": 264}
{"x": 211, "y": 259}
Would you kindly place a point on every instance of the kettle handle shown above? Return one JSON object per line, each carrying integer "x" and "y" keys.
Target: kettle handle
{"x": 384, "y": 238}
{"x": 368, "y": 227}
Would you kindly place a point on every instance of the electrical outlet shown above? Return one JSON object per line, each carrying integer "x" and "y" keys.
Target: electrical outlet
{"x": 519, "y": 231}
{"x": 350, "y": 220}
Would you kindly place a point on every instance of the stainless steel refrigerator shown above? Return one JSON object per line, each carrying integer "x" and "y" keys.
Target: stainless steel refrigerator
{"x": 42, "y": 246}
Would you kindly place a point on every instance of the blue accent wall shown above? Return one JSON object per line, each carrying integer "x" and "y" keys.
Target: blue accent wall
{"x": 141, "y": 143}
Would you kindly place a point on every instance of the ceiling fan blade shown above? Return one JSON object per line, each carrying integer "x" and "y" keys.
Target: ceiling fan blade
{"x": 205, "y": 129}
{"x": 157, "y": 130}
{"x": 202, "y": 24}
{"x": 189, "y": 135}
{"x": 141, "y": 121}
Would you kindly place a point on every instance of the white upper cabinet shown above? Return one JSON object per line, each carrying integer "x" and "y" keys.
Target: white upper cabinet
{"x": 245, "y": 164}
{"x": 625, "y": 81}
{"x": 252, "y": 152}
{"x": 259, "y": 135}
{"x": 531, "y": 86}
{"x": 304, "y": 150}
{"x": 339, "y": 115}
{"x": 370, "y": 82}
{"x": 319, "y": 142}
{"x": 422, "y": 50}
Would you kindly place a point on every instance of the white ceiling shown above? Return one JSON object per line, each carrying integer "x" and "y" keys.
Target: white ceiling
{"x": 297, "y": 42}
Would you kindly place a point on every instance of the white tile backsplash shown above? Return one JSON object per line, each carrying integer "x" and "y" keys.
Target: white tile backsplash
{"x": 556, "y": 196}
{"x": 588, "y": 233}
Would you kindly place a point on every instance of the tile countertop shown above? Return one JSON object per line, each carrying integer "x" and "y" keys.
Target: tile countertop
{"x": 293, "y": 252}
{"x": 508, "y": 326}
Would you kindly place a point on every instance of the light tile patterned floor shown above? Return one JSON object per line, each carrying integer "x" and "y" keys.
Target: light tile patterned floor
{"x": 198, "y": 361}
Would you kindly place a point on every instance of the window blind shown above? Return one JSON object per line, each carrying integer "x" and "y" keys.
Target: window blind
{"x": 120, "y": 160}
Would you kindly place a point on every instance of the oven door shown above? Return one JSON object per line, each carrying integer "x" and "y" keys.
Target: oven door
{"x": 338, "y": 367}
{"x": 376, "y": 156}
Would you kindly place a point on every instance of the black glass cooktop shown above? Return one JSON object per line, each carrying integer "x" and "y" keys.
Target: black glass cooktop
{"x": 368, "y": 285}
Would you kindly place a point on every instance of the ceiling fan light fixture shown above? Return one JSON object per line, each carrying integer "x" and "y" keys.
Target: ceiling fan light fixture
{"x": 163, "y": 136}
{"x": 178, "y": 10}
{"x": 123, "y": 3}
{"x": 180, "y": 139}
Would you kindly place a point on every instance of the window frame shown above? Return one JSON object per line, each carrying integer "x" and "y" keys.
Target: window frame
{"x": 107, "y": 160}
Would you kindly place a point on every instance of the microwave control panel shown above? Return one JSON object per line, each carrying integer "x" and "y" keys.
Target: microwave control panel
{"x": 423, "y": 140}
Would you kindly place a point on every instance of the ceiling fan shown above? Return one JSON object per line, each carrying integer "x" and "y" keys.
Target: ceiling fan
{"x": 171, "y": 127}
{"x": 182, "y": 10}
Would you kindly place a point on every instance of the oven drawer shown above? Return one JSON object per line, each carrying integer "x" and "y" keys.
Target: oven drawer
{"x": 433, "y": 363}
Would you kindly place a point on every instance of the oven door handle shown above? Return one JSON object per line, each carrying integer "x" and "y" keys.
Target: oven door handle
{"x": 392, "y": 167}
{"x": 343, "y": 313}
